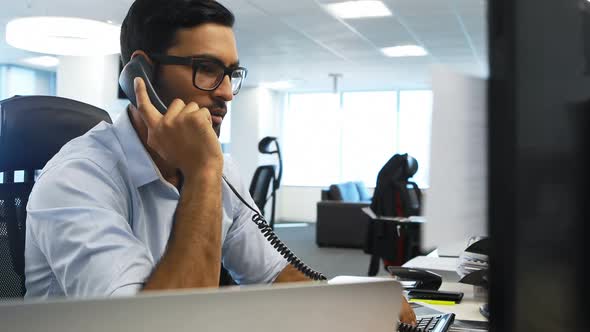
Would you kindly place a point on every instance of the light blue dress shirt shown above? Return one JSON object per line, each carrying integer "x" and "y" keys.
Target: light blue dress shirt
{"x": 100, "y": 215}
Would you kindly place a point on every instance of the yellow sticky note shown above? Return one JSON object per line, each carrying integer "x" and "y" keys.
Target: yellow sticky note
{"x": 435, "y": 302}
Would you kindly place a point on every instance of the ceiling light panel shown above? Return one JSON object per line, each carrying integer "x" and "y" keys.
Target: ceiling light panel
{"x": 63, "y": 36}
{"x": 358, "y": 9}
{"x": 404, "y": 51}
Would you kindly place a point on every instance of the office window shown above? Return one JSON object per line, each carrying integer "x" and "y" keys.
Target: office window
{"x": 311, "y": 131}
{"x": 369, "y": 139}
{"x": 331, "y": 138}
{"x": 20, "y": 81}
{"x": 15, "y": 80}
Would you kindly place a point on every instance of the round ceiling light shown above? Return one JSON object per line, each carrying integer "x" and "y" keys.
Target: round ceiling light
{"x": 63, "y": 36}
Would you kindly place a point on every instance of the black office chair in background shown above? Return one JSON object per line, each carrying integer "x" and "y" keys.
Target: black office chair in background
{"x": 260, "y": 185}
{"x": 32, "y": 130}
{"x": 264, "y": 176}
{"x": 395, "y": 196}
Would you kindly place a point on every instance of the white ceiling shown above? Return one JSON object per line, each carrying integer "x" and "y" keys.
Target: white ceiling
{"x": 298, "y": 40}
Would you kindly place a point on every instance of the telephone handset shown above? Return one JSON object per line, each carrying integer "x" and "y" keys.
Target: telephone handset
{"x": 140, "y": 67}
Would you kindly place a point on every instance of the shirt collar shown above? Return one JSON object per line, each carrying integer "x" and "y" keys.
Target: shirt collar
{"x": 142, "y": 168}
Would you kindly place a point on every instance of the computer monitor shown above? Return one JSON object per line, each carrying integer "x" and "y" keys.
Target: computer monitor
{"x": 539, "y": 107}
{"x": 343, "y": 305}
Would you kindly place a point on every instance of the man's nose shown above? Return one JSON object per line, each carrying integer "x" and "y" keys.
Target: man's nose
{"x": 224, "y": 90}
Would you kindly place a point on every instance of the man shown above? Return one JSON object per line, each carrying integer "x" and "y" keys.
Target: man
{"x": 140, "y": 205}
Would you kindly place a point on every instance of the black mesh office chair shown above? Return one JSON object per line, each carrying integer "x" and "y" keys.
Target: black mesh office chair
{"x": 395, "y": 196}
{"x": 264, "y": 176}
{"x": 261, "y": 181}
{"x": 32, "y": 130}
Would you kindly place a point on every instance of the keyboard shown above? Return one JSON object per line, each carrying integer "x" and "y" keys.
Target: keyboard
{"x": 436, "y": 323}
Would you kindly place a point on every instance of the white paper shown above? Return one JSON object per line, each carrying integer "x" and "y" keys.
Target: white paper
{"x": 433, "y": 263}
{"x": 371, "y": 214}
{"x": 339, "y": 280}
{"x": 456, "y": 202}
{"x": 446, "y": 267}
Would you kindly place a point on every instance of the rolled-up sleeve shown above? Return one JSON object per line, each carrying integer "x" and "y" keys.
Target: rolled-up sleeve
{"x": 79, "y": 219}
{"x": 247, "y": 255}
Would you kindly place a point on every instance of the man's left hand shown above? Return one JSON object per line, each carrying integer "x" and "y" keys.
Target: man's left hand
{"x": 407, "y": 314}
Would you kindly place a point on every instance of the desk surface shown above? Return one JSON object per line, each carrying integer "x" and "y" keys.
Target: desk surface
{"x": 468, "y": 309}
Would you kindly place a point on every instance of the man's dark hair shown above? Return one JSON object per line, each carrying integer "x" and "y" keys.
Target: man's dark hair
{"x": 151, "y": 25}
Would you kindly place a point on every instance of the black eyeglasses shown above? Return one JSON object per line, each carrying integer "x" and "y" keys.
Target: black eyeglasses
{"x": 207, "y": 73}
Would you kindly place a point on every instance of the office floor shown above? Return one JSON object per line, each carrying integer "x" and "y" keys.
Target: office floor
{"x": 300, "y": 238}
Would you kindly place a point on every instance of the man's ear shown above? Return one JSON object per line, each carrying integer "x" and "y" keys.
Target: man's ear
{"x": 142, "y": 53}
{"x": 156, "y": 75}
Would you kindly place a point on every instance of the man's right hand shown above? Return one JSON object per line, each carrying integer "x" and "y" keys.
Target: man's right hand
{"x": 184, "y": 136}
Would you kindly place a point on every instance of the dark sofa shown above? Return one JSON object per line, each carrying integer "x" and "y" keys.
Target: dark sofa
{"x": 340, "y": 220}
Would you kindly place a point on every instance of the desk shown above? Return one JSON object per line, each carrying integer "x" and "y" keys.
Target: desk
{"x": 468, "y": 309}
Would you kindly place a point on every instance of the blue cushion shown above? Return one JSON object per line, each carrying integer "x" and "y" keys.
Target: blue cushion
{"x": 363, "y": 192}
{"x": 349, "y": 192}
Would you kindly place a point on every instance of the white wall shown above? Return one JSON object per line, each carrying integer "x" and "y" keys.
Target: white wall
{"x": 255, "y": 113}
{"x": 93, "y": 80}
{"x": 244, "y": 130}
{"x": 298, "y": 203}
{"x": 270, "y": 121}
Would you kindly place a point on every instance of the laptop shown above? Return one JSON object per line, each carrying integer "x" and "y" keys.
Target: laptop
{"x": 296, "y": 307}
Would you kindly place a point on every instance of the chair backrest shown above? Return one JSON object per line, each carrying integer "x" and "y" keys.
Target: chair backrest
{"x": 395, "y": 195}
{"x": 260, "y": 184}
{"x": 412, "y": 199}
{"x": 32, "y": 130}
